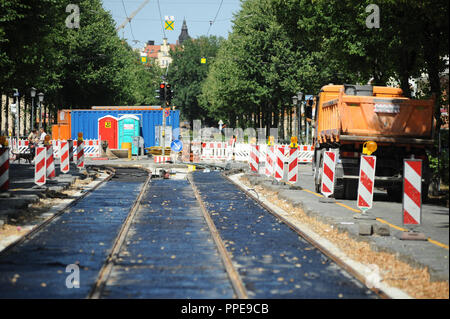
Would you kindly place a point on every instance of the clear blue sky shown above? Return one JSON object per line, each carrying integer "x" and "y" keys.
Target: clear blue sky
{"x": 146, "y": 25}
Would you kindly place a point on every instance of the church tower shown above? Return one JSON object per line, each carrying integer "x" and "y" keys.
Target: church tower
{"x": 184, "y": 35}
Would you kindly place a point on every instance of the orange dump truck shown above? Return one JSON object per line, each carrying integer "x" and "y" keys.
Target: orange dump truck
{"x": 347, "y": 116}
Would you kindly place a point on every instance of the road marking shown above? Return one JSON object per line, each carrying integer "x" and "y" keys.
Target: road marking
{"x": 348, "y": 207}
{"x": 438, "y": 243}
{"x": 380, "y": 220}
{"x": 391, "y": 225}
{"x": 314, "y": 193}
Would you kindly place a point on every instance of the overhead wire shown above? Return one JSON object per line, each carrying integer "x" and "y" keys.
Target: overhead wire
{"x": 126, "y": 14}
{"x": 212, "y": 22}
{"x": 160, "y": 17}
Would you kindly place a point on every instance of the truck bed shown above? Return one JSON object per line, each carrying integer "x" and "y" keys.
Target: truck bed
{"x": 382, "y": 119}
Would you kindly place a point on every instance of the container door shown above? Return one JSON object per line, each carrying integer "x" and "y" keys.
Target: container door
{"x": 107, "y": 130}
{"x": 128, "y": 128}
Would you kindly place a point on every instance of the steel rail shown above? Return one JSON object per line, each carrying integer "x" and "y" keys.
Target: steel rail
{"x": 236, "y": 281}
{"x": 42, "y": 225}
{"x": 107, "y": 267}
{"x": 324, "y": 250}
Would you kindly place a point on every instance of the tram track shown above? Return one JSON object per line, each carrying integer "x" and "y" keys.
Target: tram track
{"x": 78, "y": 236}
{"x": 195, "y": 237}
{"x": 42, "y": 225}
{"x": 233, "y": 274}
{"x": 338, "y": 260}
{"x": 107, "y": 267}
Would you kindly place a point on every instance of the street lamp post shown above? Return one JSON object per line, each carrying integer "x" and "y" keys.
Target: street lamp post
{"x": 295, "y": 103}
{"x": 16, "y": 115}
{"x": 300, "y": 112}
{"x": 33, "y": 95}
{"x": 41, "y": 99}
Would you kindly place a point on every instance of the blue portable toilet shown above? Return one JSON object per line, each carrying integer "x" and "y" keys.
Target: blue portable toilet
{"x": 129, "y": 126}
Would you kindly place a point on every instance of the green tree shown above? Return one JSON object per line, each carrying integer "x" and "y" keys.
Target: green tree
{"x": 187, "y": 73}
{"x": 74, "y": 67}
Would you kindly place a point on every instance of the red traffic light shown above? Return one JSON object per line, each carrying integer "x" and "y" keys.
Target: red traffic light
{"x": 162, "y": 85}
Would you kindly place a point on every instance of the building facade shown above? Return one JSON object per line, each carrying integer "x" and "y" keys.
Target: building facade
{"x": 160, "y": 54}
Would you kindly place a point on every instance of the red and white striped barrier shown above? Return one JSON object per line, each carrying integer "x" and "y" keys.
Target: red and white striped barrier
{"x": 186, "y": 152}
{"x": 4, "y": 169}
{"x": 207, "y": 151}
{"x": 328, "y": 173}
{"x": 279, "y": 162}
{"x": 412, "y": 192}
{"x": 56, "y": 144}
{"x": 71, "y": 151}
{"x": 23, "y": 147}
{"x": 161, "y": 159}
{"x": 80, "y": 155}
{"x": 305, "y": 153}
{"x": 366, "y": 182}
{"x": 65, "y": 163}
{"x": 214, "y": 151}
{"x": 91, "y": 148}
{"x": 229, "y": 150}
{"x": 242, "y": 152}
{"x": 254, "y": 157}
{"x": 270, "y": 158}
{"x": 292, "y": 165}
{"x": 40, "y": 168}
{"x": 50, "y": 163}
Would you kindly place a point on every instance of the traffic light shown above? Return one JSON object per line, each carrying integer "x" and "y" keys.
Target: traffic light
{"x": 169, "y": 93}
{"x": 162, "y": 92}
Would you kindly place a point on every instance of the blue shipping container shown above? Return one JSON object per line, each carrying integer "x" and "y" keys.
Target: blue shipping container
{"x": 86, "y": 121}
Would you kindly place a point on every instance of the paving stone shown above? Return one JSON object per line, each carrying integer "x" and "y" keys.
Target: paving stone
{"x": 365, "y": 229}
{"x": 381, "y": 229}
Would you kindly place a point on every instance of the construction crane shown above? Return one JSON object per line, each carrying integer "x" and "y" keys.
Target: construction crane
{"x": 132, "y": 15}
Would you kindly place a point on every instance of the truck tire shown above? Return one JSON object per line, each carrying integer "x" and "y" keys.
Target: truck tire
{"x": 318, "y": 171}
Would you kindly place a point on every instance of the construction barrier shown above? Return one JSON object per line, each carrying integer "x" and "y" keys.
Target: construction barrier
{"x": 305, "y": 153}
{"x": 80, "y": 154}
{"x": 186, "y": 152}
{"x": 214, "y": 151}
{"x": 270, "y": 158}
{"x": 50, "y": 163}
{"x": 40, "y": 168}
{"x": 64, "y": 151}
{"x": 279, "y": 162}
{"x": 412, "y": 192}
{"x": 254, "y": 157}
{"x": 161, "y": 159}
{"x": 366, "y": 182}
{"x": 292, "y": 155}
{"x": 91, "y": 148}
{"x": 328, "y": 173}
{"x": 241, "y": 152}
{"x": 71, "y": 150}
{"x": 196, "y": 151}
{"x": 4, "y": 169}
